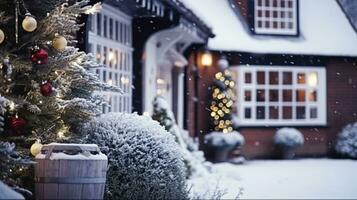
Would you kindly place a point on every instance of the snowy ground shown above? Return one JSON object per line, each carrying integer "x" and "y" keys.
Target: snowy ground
{"x": 295, "y": 179}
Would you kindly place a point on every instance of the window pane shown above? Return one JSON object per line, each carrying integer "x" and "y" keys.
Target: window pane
{"x": 275, "y": 14}
{"x": 274, "y": 78}
{"x": 274, "y": 95}
{"x": 99, "y": 53}
{"x": 267, "y": 3}
{"x": 300, "y": 95}
{"x": 99, "y": 24}
{"x": 247, "y": 113}
{"x": 275, "y": 24}
{"x": 111, "y": 28}
{"x": 260, "y": 95}
{"x": 260, "y": 112}
{"x": 260, "y": 2}
{"x": 267, "y": 13}
{"x": 300, "y": 112}
{"x": 301, "y": 78}
{"x": 105, "y": 21}
{"x": 312, "y": 79}
{"x": 287, "y": 112}
{"x": 275, "y": 3}
{"x": 248, "y": 77}
{"x": 290, "y": 4}
{"x": 287, "y": 95}
{"x": 273, "y": 112}
{"x": 312, "y": 96}
{"x": 105, "y": 55}
{"x": 267, "y": 24}
{"x": 261, "y": 77}
{"x": 313, "y": 113}
{"x": 287, "y": 78}
{"x": 247, "y": 95}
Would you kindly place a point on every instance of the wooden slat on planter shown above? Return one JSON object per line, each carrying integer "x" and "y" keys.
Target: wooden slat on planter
{"x": 61, "y": 176}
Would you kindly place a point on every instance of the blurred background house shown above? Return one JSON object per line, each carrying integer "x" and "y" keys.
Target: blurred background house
{"x": 295, "y": 66}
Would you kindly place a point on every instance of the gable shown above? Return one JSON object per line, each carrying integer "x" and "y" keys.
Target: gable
{"x": 324, "y": 29}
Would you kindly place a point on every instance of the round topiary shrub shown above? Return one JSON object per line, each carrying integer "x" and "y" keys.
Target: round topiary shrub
{"x": 286, "y": 141}
{"x": 144, "y": 160}
{"x": 289, "y": 138}
{"x": 346, "y": 144}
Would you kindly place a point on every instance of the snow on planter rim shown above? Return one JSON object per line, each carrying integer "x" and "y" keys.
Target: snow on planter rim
{"x": 219, "y": 139}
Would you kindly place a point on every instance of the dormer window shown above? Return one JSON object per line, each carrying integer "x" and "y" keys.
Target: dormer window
{"x": 276, "y": 17}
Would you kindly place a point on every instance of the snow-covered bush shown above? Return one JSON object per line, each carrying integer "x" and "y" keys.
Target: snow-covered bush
{"x": 347, "y": 141}
{"x": 288, "y": 138}
{"x": 224, "y": 140}
{"x": 145, "y": 162}
{"x": 194, "y": 159}
{"x": 164, "y": 115}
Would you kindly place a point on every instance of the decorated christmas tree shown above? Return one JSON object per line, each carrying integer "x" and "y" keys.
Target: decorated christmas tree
{"x": 46, "y": 87}
{"x": 222, "y": 99}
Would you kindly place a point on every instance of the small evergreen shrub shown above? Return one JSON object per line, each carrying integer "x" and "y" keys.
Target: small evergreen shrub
{"x": 347, "y": 141}
{"x": 288, "y": 138}
{"x": 144, "y": 160}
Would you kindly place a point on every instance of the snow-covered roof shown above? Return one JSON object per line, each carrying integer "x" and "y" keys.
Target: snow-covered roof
{"x": 324, "y": 30}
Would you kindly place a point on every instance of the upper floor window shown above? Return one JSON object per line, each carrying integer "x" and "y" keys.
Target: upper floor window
{"x": 277, "y": 17}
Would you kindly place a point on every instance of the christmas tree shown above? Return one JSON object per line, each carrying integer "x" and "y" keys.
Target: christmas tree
{"x": 46, "y": 87}
{"x": 222, "y": 99}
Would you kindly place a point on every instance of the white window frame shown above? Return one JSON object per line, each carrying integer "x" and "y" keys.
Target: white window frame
{"x": 241, "y": 104}
{"x": 120, "y": 68}
{"x": 286, "y": 20}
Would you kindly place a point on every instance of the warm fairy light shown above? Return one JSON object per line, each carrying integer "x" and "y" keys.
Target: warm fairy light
{"x": 60, "y": 134}
{"x": 110, "y": 82}
{"x": 12, "y": 106}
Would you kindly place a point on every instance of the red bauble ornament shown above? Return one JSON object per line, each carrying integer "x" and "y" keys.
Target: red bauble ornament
{"x": 40, "y": 56}
{"x": 18, "y": 125}
{"x": 46, "y": 89}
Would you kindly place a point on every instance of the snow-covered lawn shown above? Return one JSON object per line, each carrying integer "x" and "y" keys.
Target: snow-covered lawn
{"x": 290, "y": 179}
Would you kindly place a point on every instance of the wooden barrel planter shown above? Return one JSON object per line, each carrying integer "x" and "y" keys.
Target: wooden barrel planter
{"x": 70, "y": 171}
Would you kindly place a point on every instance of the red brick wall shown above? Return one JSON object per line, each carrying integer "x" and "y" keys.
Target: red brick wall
{"x": 319, "y": 141}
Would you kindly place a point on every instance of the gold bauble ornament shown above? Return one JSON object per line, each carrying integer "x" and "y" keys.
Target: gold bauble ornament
{"x": 2, "y": 36}
{"x": 59, "y": 43}
{"x": 36, "y": 148}
{"x": 29, "y": 24}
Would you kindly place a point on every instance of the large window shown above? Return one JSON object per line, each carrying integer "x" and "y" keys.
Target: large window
{"x": 275, "y": 17}
{"x": 281, "y": 96}
{"x": 115, "y": 54}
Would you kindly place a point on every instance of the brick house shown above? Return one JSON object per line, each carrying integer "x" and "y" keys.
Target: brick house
{"x": 295, "y": 65}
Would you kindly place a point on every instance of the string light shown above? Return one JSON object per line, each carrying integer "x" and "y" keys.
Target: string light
{"x": 222, "y": 102}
